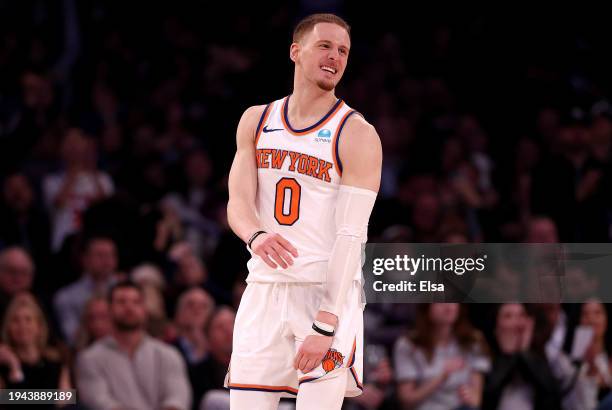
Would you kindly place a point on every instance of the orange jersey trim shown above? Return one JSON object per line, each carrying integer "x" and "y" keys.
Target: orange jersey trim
{"x": 336, "y": 141}
{"x": 261, "y": 387}
{"x": 262, "y": 121}
{"x": 351, "y": 360}
{"x": 359, "y": 385}
{"x": 308, "y": 379}
{"x": 350, "y": 364}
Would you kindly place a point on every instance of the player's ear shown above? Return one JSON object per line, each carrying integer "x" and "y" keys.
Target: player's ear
{"x": 294, "y": 51}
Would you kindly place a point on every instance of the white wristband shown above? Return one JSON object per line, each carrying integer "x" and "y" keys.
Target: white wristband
{"x": 325, "y": 326}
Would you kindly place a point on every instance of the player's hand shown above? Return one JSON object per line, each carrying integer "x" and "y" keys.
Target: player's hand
{"x": 274, "y": 249}
{"x": 311, "y": 352}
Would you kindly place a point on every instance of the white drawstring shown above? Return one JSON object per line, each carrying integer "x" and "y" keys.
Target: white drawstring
{"x": 285, "y": 304}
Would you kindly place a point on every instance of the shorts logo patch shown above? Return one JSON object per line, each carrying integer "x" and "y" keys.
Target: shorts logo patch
{"x": 332, "y": 360}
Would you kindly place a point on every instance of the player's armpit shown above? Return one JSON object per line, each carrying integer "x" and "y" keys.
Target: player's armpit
{"x": 242, "y": 184}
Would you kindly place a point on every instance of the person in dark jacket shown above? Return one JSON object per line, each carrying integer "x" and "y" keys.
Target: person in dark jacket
{"x": 521, "y": 377}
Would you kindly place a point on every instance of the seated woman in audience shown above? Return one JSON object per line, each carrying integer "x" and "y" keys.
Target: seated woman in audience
{"x": 26, "y": 359}
{"x": 440, "y": 365}
{"x": 521, "y": 376}
{"x": 193, "y": 312}
{"x": 95, "y": 323}
{"x": 596, "y": 365}
{"x": 152, "y": 283}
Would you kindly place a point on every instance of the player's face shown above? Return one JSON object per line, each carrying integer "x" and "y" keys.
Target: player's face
{"x": 323, "y": 53}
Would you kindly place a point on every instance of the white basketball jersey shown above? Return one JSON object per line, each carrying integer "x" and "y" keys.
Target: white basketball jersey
{"x": 298, "y": 176}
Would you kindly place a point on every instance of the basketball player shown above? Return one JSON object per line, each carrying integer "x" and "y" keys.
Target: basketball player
{"x": 302, "y": 187}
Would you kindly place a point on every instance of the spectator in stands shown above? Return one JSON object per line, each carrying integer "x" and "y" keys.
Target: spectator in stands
{"x": 557, "y": 321}
{"x": 190, "y": 272}
{"x": 574, "y": 385}
{"x": 576, "y": 201}
{"x": 193, "y": 311}
{"x": 426, "y": 217}
{"x": 210, "y": 373}
{"x": 27, "y": 361}
{"x": 99, "y": 267}
{"x": 194, "y": 202}
{"x": 16, "y": 274}
{"x": 541, "y": 229}
{"x": 378, "y": 390}
{"x": 130, "y": 369}
{"x": 23, "y": 223}
{"x": 596, "y": 361}
{"x": 95, "y": 323}
{"x": 69, "y": 193}
{"x": 521, "y": 377}
{"x": 152, "y": 282}
{"x": 440, "y": 365}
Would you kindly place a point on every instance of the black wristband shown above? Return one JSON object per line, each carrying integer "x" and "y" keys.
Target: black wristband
{"x": 253, "y": 237}
{"x": 321, "y": 331}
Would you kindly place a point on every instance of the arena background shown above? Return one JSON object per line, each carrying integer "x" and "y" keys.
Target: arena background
{"x": 495, "y": 128}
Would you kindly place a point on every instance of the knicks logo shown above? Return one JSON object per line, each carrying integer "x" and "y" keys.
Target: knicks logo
{"x": 332, "y": 360}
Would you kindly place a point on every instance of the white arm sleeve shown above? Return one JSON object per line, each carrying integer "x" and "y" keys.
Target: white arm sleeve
{"x": 353, "y": 209}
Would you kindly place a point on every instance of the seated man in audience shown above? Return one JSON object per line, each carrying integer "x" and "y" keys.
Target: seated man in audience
{"x": 130, "y": 369}
{"x": 99, "y": 267}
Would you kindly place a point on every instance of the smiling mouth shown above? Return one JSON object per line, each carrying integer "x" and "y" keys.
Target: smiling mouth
{"x": 328, "y": 69}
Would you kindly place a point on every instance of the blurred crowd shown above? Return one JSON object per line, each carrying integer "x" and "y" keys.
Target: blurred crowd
{"x": 119, "y": 275}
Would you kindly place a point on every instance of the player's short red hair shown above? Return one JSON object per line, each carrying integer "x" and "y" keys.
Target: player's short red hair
{"x": 307, "y": 24}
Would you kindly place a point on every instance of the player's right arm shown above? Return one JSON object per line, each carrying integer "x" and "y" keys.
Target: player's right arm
{"x": 241, "y": 209}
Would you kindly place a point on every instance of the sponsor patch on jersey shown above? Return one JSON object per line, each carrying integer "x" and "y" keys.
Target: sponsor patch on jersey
{"x": 323, "y": 136}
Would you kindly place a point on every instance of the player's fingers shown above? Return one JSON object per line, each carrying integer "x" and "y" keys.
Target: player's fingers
{"x": 287, "y": 245}
{"x": 276, "y": 258}
{"x": 297, "y": 359}
{"x": 283, "y": 253}
{"x": 302, "y": 364}
{"x": 267, "y": 260}
{"x": 311, "y": 364}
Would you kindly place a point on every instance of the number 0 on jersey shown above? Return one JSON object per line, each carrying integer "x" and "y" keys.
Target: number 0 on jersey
{"x": 287, "y": 201}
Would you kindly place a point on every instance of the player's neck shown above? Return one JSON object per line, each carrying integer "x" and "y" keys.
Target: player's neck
{"x": 308, "y": 105}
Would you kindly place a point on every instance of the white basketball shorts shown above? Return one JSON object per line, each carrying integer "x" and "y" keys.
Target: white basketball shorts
{"x": 272, "y": 321}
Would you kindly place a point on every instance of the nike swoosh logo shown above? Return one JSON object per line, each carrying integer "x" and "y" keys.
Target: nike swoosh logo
{"x": 266, "y": 129}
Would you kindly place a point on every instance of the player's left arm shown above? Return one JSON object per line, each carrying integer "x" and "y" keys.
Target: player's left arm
{"x": 360, "y": 152}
